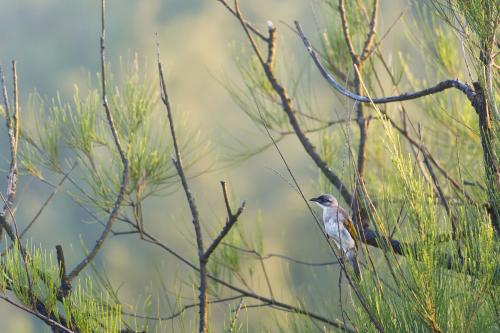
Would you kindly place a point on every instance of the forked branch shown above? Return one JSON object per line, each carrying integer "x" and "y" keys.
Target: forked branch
{"x": 230, "y": 222}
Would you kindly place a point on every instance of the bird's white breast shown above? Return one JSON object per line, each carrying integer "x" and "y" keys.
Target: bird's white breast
{"x": 334, "y": 227}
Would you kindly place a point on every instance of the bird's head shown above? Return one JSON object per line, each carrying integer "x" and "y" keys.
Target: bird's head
{"x": 325, "y": 201}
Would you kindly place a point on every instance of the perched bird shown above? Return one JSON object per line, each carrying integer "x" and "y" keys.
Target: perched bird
{"x": 339, "y": 227}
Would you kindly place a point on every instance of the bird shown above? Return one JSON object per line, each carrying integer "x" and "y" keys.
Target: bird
{"x": 339, "y": 228}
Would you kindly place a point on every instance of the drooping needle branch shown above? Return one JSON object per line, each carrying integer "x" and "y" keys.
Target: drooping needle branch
{"x": 125, "y": 175}
{"x": 443, "y": 85}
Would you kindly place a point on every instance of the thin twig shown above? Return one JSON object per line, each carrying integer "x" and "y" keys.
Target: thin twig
{"x": 182, "y": 310}
{"x": 46, "y": 202}
{"x": 347, "y": 35}
{"x": 203, "y": 312}
{"x": 232, "y": 324}
{"x": 12, "y": 122}
{"x": 65, "y": 286}
{"x": 281, "y": 256}
{"x": 271, "y": 42}
{"x": 230, "y": 221}
{"x": 369, "y": 42}
{"x": 47, "y": 320}
{"x": 125, "y": 176}
{"x": 233, "y": 12}
{"x": 266, "y": 277}
{"x": 22, "y": 250}
{"x": 14, "y": 140}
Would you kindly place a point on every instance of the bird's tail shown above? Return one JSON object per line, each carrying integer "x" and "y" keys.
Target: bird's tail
{"x": 352, "y": 256}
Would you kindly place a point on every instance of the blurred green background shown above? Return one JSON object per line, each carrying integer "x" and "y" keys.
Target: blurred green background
{"x": 56, "y": 45}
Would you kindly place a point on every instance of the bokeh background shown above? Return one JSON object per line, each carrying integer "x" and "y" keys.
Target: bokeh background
{"x": 56, "y": 45}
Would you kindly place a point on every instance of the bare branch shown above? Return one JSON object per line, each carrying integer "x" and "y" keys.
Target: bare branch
{"x": 443, "y": 85}
{"x": 357, "y": 62}
{"x": 226, "y": 198}
{"x": 230, "y": 221}
{"x": 347, "y": 35}
{"x": 5, "y": 97}
{"x": 183, "y": 309}
{"x": 281, "y": 256}
{"x": 240, "y": 18}
{"x": 49, "y": 321}
{"x": 250, "y": 294}
{"x": 49, "y": 198}
{"x": 271, "y": 44}
{"x": 12, "y": 122}
{"x": 233, "y": 12}
{"x": 14, "y": 140}
{"x": 232, "y": 324}
{"x": 369, "y": 42}
{"x": 203, "y": 313}
{"x": 65, "y": 286}
{"x": 125, "y": 176}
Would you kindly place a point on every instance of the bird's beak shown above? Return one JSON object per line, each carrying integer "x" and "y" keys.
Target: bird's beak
{"x": 313, "y": 199}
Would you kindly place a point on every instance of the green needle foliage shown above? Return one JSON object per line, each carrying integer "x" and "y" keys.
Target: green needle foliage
{"x": 37, "y": 279}
{"x": 75, "y": 132}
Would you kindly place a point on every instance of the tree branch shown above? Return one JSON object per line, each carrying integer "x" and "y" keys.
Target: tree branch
{"x": 347, "y": 35}
{"x": 125, "y": 175}
{"x": 281, "y": 256}
{"x": 46, "y": 202}
{"x": 251, "y": 27}
{"x": 12, "y": 123}
{"x": 230, "y": 222}
{"x": 65, "y": 286}
{"x": 56, "y": 326}
{"x": 203, "y": 313}
{"x": 447, "y": 84}
{"x": 370, "y": 38}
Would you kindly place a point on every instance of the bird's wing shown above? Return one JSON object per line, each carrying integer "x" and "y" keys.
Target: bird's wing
{"x": 346, "y": 221}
